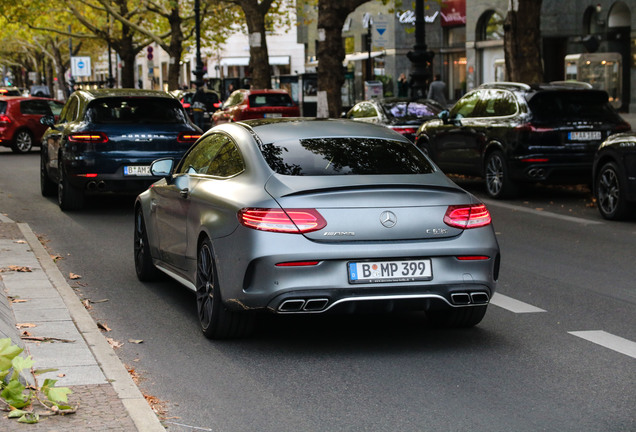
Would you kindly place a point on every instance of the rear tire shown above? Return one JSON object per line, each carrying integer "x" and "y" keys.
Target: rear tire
{"x": 22, "y": 142}
{"x": 460, "y": 317}
{"x": 217, "y": 322}
{"x": 498, "y": 182}
{"x": 145, "y": 269}
{"x": 611, "y": 193}
{"x": 68, "y": 196}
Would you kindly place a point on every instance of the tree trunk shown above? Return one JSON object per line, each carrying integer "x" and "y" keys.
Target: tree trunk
{"x": 261, "y": 76}
{"x": 175, "y": 49}
{"x": 331, "y": 17}
{"x": 522, "y": 43}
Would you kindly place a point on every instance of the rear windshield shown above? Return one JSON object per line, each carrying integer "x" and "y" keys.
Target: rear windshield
{"x": 344, "y": 156}
{"x": 3, "y": 107}
{"x": 129, "y": 110}
{"x": 551, "y": 106}
{"x": 408, "y": 110}
{"x": 270, "y": 100}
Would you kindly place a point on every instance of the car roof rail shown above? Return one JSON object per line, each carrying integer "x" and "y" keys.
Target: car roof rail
{"x": 506, "y": 84}
{"x": 572, "y": 84}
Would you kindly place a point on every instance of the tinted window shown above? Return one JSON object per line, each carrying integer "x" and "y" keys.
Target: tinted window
{"x": 56, "y": 107}
{"x": 465, "y": 106}
{"x": 408, "y": 110}
{"x": 268, "y": 100}
{"x": 550, "y": 106}
{"x": 135, "y": 110}
{"x": 343, "y": 156}
{"x": 497, "y": 103}
{"x": 215, "y": 155}
{"x": 3, "y": 107}
{"x": 36, "y": 107}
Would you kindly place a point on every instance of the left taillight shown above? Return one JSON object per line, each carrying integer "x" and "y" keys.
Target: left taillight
{"x": 293, "y": 221}
{"x": 88, "y": 137}
{"x": 188, "y": 137}
{"x": 467, "y": 216}
{"x": 404, "y": 130}
{"x": 5, "y": 119}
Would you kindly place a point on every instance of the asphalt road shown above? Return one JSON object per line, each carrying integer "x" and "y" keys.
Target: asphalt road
{"x": 556, "y": 350}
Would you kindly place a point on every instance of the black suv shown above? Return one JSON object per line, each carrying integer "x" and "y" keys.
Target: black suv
{"x": 513, "y": 133}
{"x": 105, "y": 140}
{"x": 615, "y": 177}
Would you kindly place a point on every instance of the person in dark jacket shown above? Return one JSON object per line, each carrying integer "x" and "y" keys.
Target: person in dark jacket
{"x": 198, "y": 107}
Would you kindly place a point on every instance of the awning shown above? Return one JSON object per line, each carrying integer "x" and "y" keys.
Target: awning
{"x": 245, "y": 61}
{"x": 357, "y": 56}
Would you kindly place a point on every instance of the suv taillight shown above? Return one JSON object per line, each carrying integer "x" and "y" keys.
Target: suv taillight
{"x": 467, "y": 216}
{"x": 529, "y": 127}
{"x": 5, "y": 119}
{"x": 88, "y": 138}
{"x": 294, "y": 221}
{"x": 188, "y": 137}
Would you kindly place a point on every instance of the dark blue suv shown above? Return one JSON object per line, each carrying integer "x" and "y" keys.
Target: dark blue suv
{"x": 106, "y": 139}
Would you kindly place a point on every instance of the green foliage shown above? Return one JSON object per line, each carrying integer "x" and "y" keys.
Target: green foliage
{"x": 17, "y": 396}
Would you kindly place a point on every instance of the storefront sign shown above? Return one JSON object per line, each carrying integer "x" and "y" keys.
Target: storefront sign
{"x": 408, "y": 17}
{"x": 453, "y": 13}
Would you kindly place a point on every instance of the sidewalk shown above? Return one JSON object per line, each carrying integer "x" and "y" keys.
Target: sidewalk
{"x": 108, "y": 398}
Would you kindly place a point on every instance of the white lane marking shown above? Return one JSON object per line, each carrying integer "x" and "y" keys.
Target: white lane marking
{"x": 513, "y": 305}
{"x": 608, "y": 340}
{"x": 541, "y": 212}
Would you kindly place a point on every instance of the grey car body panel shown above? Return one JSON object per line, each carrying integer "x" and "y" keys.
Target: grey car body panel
{"x": 246, "y": 258}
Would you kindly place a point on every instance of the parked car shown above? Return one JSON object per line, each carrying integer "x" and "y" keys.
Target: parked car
{"x": 513, "y": 133}
{"x": 402, "y": 115}
{"x": 212, "y": 103}
{"x": 308, "y": 216}
{"x": 10, "y": 91}
{"x": 615, "y": 177}
{"x": 106, "y": 139}
{"x": 251, "y": 104}
{"x": 20, "y": 126}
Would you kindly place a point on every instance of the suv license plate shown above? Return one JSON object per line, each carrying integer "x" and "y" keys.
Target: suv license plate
{"x": 137, "y": 170}
{"x": 390, "y": 271}
{"x": 584, "y": 136}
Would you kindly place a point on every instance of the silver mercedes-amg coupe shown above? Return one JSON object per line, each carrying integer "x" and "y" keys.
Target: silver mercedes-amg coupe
{"x": 310, "y": 216}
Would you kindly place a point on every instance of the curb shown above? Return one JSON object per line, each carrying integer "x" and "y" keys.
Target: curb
{"x": 143, "y": 416}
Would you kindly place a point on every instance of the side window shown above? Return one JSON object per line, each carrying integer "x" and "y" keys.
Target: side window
{"x": 70, "y": 110}
{"x": 465, "y": 107}
{"x": 56, "y": 107}
{"x": 215, "y": 155}
{"x": 498, "y": 103}
{"x": 36, "y": 107}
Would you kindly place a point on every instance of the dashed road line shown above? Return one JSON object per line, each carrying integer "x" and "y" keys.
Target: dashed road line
{"x": 608, "y": 340}
{"x": 513, "y": 305}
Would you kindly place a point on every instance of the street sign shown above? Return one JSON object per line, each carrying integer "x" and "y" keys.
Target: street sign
{"x": 81, "y": 66}
{"x": 380, "y": 31}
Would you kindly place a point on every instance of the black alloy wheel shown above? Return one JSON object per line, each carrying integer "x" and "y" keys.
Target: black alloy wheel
{"x": 498, "y": 183}
{"x": 23, "y": 142}
{"x": 68, "y": 196}
{"x": 144, "y": 267}
{"x": 611, "y": 194}
{"x": 217, "y": 322}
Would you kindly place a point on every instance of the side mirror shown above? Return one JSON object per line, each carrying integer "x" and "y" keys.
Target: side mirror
{"x": 48, "y": 120}
{"x": 162, "y": 167}
{"x": 444, "y": 115}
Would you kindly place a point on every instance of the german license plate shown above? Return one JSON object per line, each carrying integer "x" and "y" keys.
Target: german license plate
{"x": 390, "y": 271}
{"x": 137, "y": 170}
{"x": 584, "y": 136}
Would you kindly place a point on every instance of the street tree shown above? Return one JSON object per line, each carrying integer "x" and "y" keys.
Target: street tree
{"x": 522, "y": 41}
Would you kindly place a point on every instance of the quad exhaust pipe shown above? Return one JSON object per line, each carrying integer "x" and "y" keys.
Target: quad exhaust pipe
{"x": 463, "y": 299}
{"x": 303, "y": 305}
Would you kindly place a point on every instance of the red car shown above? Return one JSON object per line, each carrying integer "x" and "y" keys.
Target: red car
{"x": 252, "y": 104}
{"x": 20, "y": 126}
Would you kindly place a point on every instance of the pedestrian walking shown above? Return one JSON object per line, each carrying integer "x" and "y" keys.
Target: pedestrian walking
{"x": 437, "y": 90}
{"x": 403, "y": 86}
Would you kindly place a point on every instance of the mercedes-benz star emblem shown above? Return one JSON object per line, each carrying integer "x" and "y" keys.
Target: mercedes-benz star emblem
{"x": 388, "y": 219}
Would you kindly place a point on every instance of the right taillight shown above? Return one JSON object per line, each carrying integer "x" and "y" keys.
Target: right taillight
{"x": 529, "y": 127}
{"x": 467, "y": 216}
{"x": 88, "y": 137}
{"x": 293, "y": 221}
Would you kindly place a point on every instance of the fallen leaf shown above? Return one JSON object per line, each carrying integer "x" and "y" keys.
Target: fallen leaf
{"x": 26, "y": 333}
{"x": 103, "y": 327}
{"x": 135, "y": 341}
{"x": 56, "y": 258}
{"x": 20, "y": 241}
{"x": 99, "y": 301}
{"x": 87, "y": 304}
{"x": 74, "y": 276}
{"x": 25, "y": 325}
{"x": 114, "y": 343}
{"x": 15, "y": 300}
{"x": 61, "y": 375}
